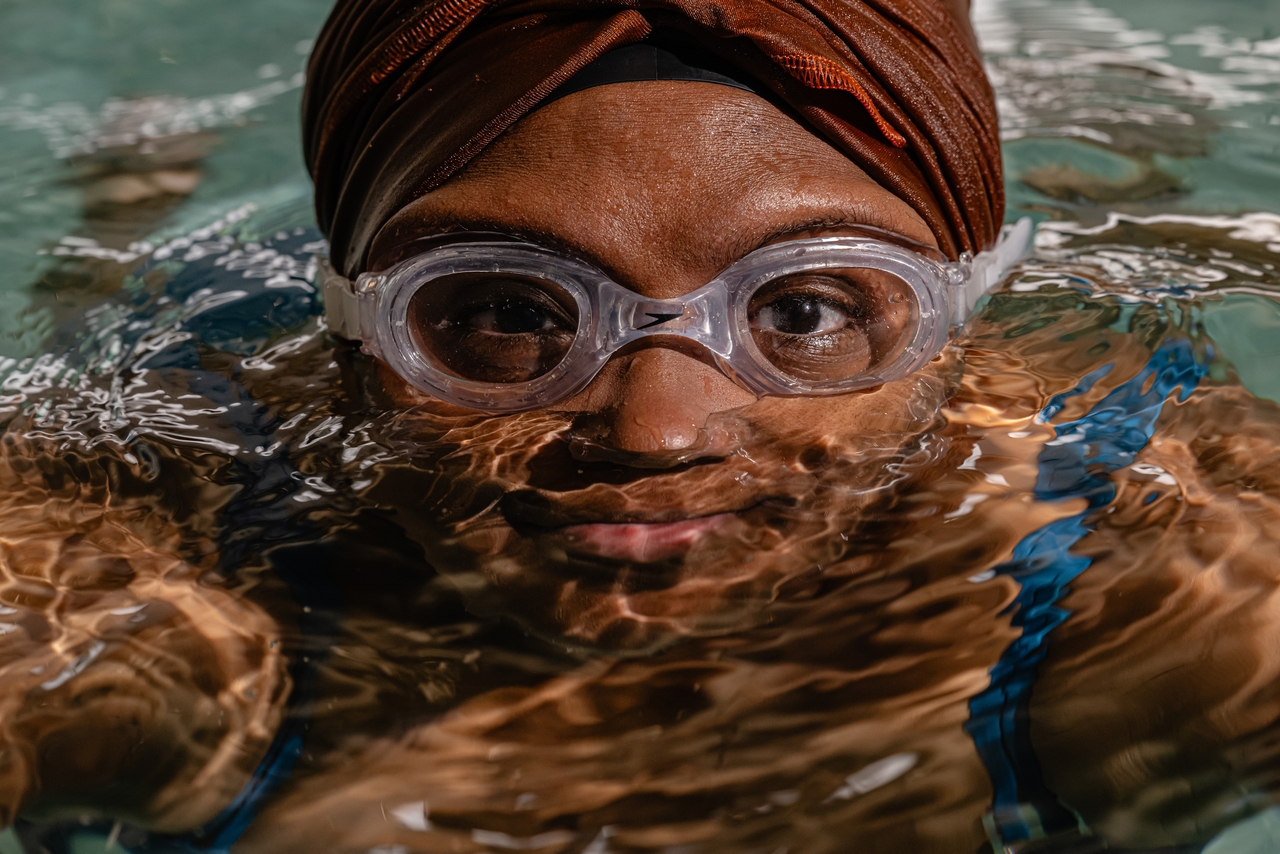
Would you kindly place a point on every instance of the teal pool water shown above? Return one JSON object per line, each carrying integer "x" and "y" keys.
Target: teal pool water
{"x": 79, "y": 82}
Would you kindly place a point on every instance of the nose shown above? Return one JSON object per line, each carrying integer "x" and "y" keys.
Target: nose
{"x": 660, "y": 399}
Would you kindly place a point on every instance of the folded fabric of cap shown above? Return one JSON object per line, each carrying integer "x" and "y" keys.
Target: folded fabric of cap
{"x": 402, "y": 94}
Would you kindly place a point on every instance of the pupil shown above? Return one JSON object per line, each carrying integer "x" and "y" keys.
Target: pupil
{"x": 517, "y": 318}
{"x": 798, "y": 315}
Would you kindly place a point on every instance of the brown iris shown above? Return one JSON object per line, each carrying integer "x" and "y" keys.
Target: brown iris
{"x": 494, "y": 328}
{"x": 831, "y": 325}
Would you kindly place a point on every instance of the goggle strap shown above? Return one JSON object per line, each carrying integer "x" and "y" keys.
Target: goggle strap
{"x": 989, "y": 267}
{"x": 343, "y": 301}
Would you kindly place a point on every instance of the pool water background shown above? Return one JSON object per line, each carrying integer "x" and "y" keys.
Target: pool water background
{"x": 1131, "y": 109}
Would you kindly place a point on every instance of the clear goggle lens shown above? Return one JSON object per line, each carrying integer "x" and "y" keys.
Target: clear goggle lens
{"x": 494, "y": 328}
{"x": 818, "y": 327}
{"x": 830, "y": 325}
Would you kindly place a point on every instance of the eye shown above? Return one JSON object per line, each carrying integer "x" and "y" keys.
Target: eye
{"x": 801, "y": 314}
{"x": 514, "y": 316}
{"x": 830, "y": 325}
{"x": 807, "y": 304}
{"x": 494, "y": 328}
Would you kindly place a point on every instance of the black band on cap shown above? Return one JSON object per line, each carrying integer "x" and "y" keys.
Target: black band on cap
{"x": 648, "y": 61}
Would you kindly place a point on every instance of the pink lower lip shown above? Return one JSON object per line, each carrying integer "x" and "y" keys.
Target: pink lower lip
{"x": 642, "y": 541}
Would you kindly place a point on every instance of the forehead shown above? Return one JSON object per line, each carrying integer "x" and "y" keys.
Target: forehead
{"x": 671, "y": 179}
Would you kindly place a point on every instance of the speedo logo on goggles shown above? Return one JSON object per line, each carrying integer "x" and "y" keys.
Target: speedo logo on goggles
{"x": 506, "y": 326}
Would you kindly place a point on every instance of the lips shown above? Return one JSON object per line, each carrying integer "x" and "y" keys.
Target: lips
{"x": 624, "y": 530}
{"x": 536, "y": 511}
{"x": 642, "y": 542}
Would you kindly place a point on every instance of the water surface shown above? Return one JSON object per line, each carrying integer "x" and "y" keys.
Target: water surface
{"x": 1037, "y": 613}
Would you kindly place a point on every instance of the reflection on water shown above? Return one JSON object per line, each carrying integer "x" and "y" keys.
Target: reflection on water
{"x": 1039, "y": 602}
{"x": 1144, "y": 106}
{"x": 251, "y": 596}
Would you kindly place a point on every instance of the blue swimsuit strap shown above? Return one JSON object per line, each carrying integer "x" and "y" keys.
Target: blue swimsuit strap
{"x": 1074, "y": 465}
{"x": 318, "y": 620}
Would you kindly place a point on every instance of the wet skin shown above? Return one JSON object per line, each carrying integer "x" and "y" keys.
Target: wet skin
{"x": 661, "y": 185}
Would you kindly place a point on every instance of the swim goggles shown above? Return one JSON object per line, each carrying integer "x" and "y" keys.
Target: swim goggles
{"x": 502, "y": 325}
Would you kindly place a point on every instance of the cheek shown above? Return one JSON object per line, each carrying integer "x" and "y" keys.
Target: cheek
{"x": 868, "y": 418}
{"x": 399, "y": 395}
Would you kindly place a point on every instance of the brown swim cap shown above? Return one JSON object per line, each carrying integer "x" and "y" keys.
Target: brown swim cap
{"x": 401, "y": 94}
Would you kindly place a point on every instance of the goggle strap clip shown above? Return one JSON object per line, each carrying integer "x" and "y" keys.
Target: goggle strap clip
{"x": 988, "y": 268}
{"x": 346, "y": 303}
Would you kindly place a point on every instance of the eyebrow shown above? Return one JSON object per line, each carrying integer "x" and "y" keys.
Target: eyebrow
{"x": 828, "y": 223}
{"x": 444, "y": 222}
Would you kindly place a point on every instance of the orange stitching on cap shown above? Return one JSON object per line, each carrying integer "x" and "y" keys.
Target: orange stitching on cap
{"x": 818, "y": 72}
{"x": 434, "y": 24}
{"x": 390, "y": 58}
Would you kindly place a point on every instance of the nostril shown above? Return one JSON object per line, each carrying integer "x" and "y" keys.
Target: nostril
{"x": 560, "y": 467}
{"x": 593, "y": 439}
{"x": 588, "y": 450}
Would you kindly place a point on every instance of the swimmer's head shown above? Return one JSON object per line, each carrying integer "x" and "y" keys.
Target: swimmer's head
{"x": 664, "y": 463}
{"x": 659, "y": 146}
{"x": 671, "y": 182}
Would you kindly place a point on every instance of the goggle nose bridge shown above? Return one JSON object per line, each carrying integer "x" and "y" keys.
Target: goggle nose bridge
{"x": 701, "y": 316}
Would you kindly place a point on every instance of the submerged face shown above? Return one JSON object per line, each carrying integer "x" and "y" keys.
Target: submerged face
{"x": 663, "y": 497}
